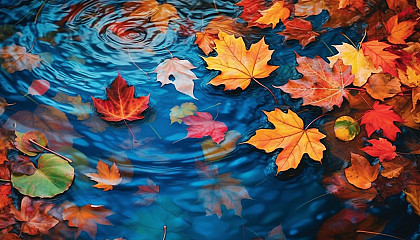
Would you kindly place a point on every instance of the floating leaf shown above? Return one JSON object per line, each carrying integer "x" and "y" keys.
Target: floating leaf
{"x": 21, "y": 165}
{"x": 346, "y": 128}
{"x": 399, "y": 31}
{"x": 39, "y": 87}
{"x": 305, "y": 8}
{"x": 53, "y": 176}
{"x": 299, "y": 29}
{"x": 17, "y": 59}
{"x": 86, "y": 218}
{"x": 381, "y": 86}
{"x": 251, "y": 11}
{"x": 289, "y": 134}
{"x": 278, "y": 11}
{"x": 107, "y": 177}
{"x": 24, "y": 145}
{"x": 147, "y": 194}
{"x": 215, "y": 152}
{"x": 381, "y": 148}
{"x": 202, "y": 124}
{"x": 361, "y": 174}
{"x": 178, "y": 112}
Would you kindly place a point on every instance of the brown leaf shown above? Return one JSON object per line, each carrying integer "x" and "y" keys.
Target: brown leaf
{"x": 402, "y": 105}
{"x": 382, "y": 85}
{"x": 82, "y": 110}
{"x": 338, "y": 185}
{"x": 17, "y": 59}
{"x": 393, "y": 169}
{"x": 413, "y": 196}
{"x": 361, "y": 174}
{"x": 299, "y": 29}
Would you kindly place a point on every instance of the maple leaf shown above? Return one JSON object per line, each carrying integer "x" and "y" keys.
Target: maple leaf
{"x": 225, "y": 191}
{"x": 375, "y": 50}
{"x": 320, "y": 85}
{"x": 338, "y": 185}
{"x": 202, "y": 124}
{"x": 34, "y": 216}
{"x": 106, "y": 177}
{"x": 361, "y": 174}
{"x": 399, "y": 31}
{"x": 274, "y": 14}
{"x": 381, "y": 117}
{"x": 86, "y": 218}
{"x": 361, "y": 65}
{"x": 251, "y": 11}
{"x": 147, "y": 193}
{"x": 181, "y": 71}
{"x": 17, "y": 59}
{"x": 159, "y": 14}
{"x": 238, "y": 65}
{"x": 382, "y": 85}
{"x": 178, "y": 112}
{"x": 205, "y": 41}
{"x": 121, "y": 104}
{"x": 39, "y": 87}
{"x": 412, "y": 193}
{"x": 289, "y": 134}
{"x": 381, "y": 148}
{"x": 299, "y": 29}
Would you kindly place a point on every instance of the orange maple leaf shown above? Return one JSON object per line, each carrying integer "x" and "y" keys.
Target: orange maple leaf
{"x": 86, "y": 218}
{"x": 289, "y": 134}
{"x": 106, "y": 177}
{"x": 225, "y": 191}
{"x": 399, "y": 31}
{"x": 320, "y": 85}
{"x": 238, "y": 65}
{"x": 17, "y": 59}
{"x": 274, "y": 14}
{"x": 361, "y": 174}
{"x": 121, "y": 104}
{"x": 375, "y": 50}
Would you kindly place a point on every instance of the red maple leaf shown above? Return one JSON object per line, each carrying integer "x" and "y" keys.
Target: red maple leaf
{"x": 251, "y": 11}
{"x": 375, "y": 50}
{"x": 299, "y": 29}
{"x": 382, "y": 117}
{"x": 121, "y": 104}
{"x": 381, "y": 148}
{"x": 202, "y": 124}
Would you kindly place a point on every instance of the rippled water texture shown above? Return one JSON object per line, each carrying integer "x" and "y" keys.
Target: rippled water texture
{"x": 84, "y": 44}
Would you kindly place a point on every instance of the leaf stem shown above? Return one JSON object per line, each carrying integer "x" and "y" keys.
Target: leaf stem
{"x": 331, "y": 51}
{"x": 313, "y": 199}
{"x": 352, "y": 43}
{"x": 168, "y": 51}
{"x": 272, "y": 94}
{"x": 49, "y": 150}
{"x": 30, "y": 98}
{"x": 20, "y": 20}
{"x": 320, "y": 116}
{"x": 132, "y": 61}
{"x": 129, "y": 129}
{"x": 154, "y": 130}
{"x": 39, "y": 10}
{"x": 164, "y": 232}
{"x": 212, "y": 106}
{"x": 377, "y": 233}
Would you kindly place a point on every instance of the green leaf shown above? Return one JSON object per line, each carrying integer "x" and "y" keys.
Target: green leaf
{"x": 23, "y": 144}
{"x": 53, "y": 176}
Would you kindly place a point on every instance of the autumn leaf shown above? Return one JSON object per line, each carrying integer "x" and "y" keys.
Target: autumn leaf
{"x": 381, "y": 148}
{"x": 411, "y": 78}
{"x": 412, "y": 193}
{"x": 202, "y": 124}
{"x": 346, "y": 128}
{"x": 34, "y": 216}
{"x": 82, "y": 110}
{"x": 393, "y": 169}
{"x": 361, "y": 174}
{"x": 215, "y": 152}
{"x": 397, "y": 4}
{"x": 107, "y": 177}
{"x": 180, "y": 70}
{"x": 275, "y": 234}
{"x": 251, "y": 11}
{"x": 299, "y": 29}
{"x": 375, "y": 50}
{"x": 21, "y": 165}
{"x": 382, "y": 85}
{"x": 23, "y": 144}
{"x": 399, "y": 31}
{"x": 402, "y": 105}
{"x": 320, "y": 85}
{"x": 3, "y": 105}
{"x": 352, "y": 4}
{"x": 6, "y": 143}
{"x": 17, "y": 59}
{"x": 304, "y": 8}
{"x": 86, "y": 218}
{"x": 225, "y": 191}
{"x": 361, "y": 65}
{"x": 238, "y": 65}
{"x": 338, "y": 185}
{"x": 159, "y": 14}
{"x": 288, "y": 133}
{"x": 381, "y": 117}
{"x": 178, "y": 112}
{"x": 38, "y": 87}
{"x": 278, "y": 11}
{"x": 121, "y": 104}
{"x": 147, "y": 194}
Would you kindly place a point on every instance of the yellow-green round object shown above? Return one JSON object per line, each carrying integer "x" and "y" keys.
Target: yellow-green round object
{"x": 346, "y": 128}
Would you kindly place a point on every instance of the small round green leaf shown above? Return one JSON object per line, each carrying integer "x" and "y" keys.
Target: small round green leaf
{"x": 53, "y": 176}
{"x": 346, "y": 128}
{"x": 24, "y": 145}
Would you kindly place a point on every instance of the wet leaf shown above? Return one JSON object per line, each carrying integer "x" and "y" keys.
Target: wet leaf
{"x": 24, "y": 145}
{"x": 384, "y": 59}
{"x": 121, "y": 104}
{"x": 361, "y": 174}
{"x": 381, "y": 86}
{"x": 181, "y": 71}
{"x": 80, "y": 109}
{"x": 107, "y": 177}
{"x": 5, "y": 235}
{"x": 17, "y": 59}
{"x": 320, "y": 85}
{"x": 361, "y": 66}
{"x": 39, "y": 87}
{"x": 393, "y": 169}
{"x": 381, "y": 117}
{"x": 53, "y": 176}
{"x": 399, "y": 31}
{"x": 413, "y": 196}
{"x": 275, "y": 234}
{"x": 225, "y": 191}
{"x": 251, "y": 11}
{"x": 278, "y": 11}
{"x": 21, "y": 165}
{"x": 34, "y": 216}
{"x": 338, "y": 185}
{"x": 147, "y": 194}
{"x": 178, "y": 112}
{"x": 288, "y": 133}
{"x": 346, "y": 128}
{"x": 202, "y": 124}
{"x": 299, "y": 29}
{"x": 237, "y": 64}
{"x": 86, "y": 218}
{"x": 214, "y": 152}
{"x": 381, "y": 148}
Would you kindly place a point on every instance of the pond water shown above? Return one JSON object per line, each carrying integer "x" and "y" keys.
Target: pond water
{"x": 83, "y": 50}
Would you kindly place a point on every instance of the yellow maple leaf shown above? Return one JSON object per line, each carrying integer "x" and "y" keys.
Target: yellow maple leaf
{"x": 288, "y": 133}
{"x": 178, "y": 112}
{"x": 361, "y": 66}
{"x": 107, "y": 177}
{"x": 273, "y": 14}
{"x": 238, "y": 65}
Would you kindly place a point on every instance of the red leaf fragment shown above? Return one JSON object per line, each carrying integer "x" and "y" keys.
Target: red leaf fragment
{"x": 202, "y": 124}
{"x": 147, "y": 193}
{"x": 39, "y": 87}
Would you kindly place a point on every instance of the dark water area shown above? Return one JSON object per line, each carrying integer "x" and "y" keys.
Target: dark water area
{"x": 82, "y": 54}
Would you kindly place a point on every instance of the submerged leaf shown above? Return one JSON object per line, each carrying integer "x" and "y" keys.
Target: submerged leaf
{"x": 202, "y": 124}
{"x": 17, "y": 59}
{"x": 178, "y": 112}
{"x": 215, "y": 152}
{"x": 106, "y": 177}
